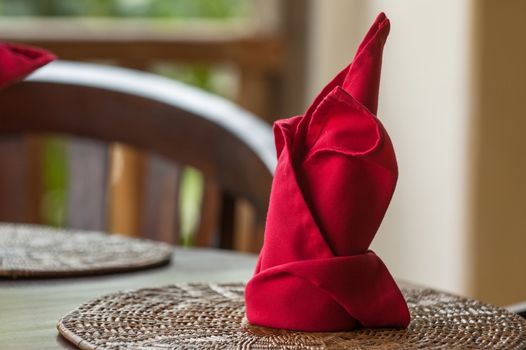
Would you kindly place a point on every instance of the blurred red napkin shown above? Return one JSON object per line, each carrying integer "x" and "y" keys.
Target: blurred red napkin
{"x": 17, "y": 61}
{"x": 335, "y": 177}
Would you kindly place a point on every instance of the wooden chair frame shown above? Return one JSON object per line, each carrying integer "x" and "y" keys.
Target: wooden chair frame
{"x": 149, "y": 112}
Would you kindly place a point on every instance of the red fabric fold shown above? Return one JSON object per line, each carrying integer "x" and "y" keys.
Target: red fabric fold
{"x": 335, "y": 177}
{"x": 17, "y": 61}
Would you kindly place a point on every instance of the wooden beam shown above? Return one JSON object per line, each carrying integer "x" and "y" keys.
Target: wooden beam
{"x": 151, "y": 40}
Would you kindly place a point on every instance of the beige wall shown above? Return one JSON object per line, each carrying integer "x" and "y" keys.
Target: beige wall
{"x": 425, "y": 106}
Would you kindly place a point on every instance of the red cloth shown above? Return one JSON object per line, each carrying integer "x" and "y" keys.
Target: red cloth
{"x": 334, "y": 179}
{"x": 17, "y": 61}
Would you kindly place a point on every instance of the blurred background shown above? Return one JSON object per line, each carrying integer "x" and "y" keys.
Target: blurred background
{"x": 452, "y": 97}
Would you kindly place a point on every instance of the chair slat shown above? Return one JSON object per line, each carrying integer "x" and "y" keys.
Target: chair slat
{"x": 227, "y": 221}
{"x": 88, "y": 181}
{"x": 244, "y": 229}
{"x": 126, "y": 189}
{"x": 160, "y": 219}
{"x": 208, "y": 224}
{"x": 20, "y": 179}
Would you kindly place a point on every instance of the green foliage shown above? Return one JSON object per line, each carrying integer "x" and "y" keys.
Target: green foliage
{"x": 195, "y": 74}
{"x": 127, "y": 8}
{"x": 190, "y": 200}
{"x": 55, "y": 179}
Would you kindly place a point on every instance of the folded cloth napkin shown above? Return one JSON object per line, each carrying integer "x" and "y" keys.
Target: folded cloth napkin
{"x": 334, "y": 179}
{"x": 17, "y": 61}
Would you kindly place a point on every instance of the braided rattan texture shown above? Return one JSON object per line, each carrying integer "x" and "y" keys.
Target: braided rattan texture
{"x": 37, "y": 251}
{"x": 211, "y": 316}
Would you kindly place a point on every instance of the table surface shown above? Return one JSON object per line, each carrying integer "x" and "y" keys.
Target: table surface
{"x": 30, "y": 309}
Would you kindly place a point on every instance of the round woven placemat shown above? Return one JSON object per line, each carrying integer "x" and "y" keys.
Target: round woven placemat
{"x": 211, "y": 316}
{"x": 38, "y": 251}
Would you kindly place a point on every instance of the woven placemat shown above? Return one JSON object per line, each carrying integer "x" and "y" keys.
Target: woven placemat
{"x": 211, "y": 316}
{"x": 38, "y": 251}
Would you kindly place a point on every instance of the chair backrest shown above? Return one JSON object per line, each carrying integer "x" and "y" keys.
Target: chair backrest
{"x": 232, "y": 148}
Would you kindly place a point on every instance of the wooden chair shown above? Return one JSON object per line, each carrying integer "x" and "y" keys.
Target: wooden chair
{"x": 232, "y": 148}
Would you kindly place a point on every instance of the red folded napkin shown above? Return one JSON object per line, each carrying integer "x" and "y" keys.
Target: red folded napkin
{"x": 17, "y": 61}
{"x": 335, "y": 177}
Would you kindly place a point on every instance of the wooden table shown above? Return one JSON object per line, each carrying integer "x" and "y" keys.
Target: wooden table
{"x": 30, "y": 309}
